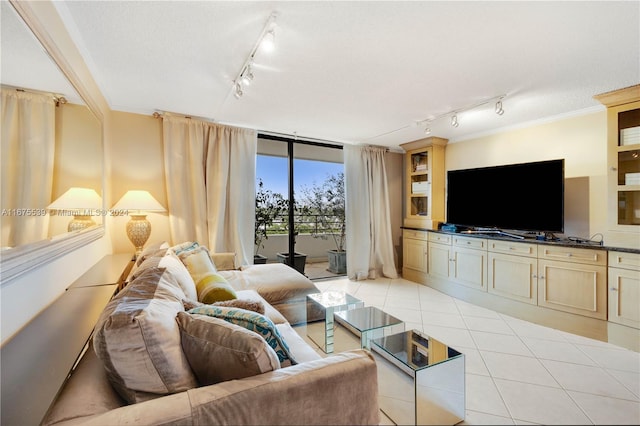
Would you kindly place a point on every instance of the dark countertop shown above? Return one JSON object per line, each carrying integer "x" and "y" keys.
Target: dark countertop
{"x": 562, "y": 242}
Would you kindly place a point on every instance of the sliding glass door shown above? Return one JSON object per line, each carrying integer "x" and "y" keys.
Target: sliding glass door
{"x": 300, "y": 205}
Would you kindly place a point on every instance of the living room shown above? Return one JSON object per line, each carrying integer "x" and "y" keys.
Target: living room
{"x": 132, "y": 145}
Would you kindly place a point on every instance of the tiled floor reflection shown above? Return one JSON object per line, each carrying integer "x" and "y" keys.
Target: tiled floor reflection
{"x": 516, "y": 372}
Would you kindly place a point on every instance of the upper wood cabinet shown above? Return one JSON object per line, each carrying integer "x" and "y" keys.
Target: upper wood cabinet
{"x": 623, "y": 142}
{"x": 424, "y": 183}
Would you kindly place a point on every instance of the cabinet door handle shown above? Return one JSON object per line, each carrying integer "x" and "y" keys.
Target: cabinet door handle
{"x": 613, "y": 289}
{"x": 541, "y": 277}
{"x": 534, "y": 276}
{"x": 569, "y": 255}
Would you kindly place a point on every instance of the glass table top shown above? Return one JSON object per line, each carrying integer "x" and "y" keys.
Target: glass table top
{"x": 330, "y": 299}
{"x": 368, "y": 318}
{"x": 414, "y": 349}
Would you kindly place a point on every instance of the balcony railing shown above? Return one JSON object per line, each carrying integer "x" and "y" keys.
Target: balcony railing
{"x": 307, "y": 224}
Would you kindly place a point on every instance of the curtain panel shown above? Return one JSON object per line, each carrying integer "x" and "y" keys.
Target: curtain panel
{"x": 369, "y": 240}
{"x": 28, "y": 145}
{"x": 210, "y": 179}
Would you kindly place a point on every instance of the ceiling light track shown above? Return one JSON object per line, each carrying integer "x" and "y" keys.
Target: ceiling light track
{"x": 266, "y": 41}
{"x": 453, "y": 114}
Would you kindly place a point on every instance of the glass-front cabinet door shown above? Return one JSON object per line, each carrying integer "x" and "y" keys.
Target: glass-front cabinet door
{"x": 623, "y": 135}
{"x": 628, "y": 167}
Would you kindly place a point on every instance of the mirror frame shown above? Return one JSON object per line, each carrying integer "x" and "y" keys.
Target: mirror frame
{"x": 31, "y": 256}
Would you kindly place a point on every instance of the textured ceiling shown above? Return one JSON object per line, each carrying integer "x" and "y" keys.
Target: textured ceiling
{"x": 360, "y": 72}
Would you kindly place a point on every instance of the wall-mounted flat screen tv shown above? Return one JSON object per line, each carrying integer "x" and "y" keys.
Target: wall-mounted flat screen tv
{"x": 525, "y": 196}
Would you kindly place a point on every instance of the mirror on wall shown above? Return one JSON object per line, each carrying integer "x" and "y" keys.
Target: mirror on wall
{"x": 51, "y": 147}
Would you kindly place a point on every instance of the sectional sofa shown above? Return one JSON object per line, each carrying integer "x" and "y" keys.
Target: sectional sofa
{"x": 186, "y": 342}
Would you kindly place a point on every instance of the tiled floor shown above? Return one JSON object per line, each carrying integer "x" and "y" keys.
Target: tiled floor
{"x": 516, "y": 372}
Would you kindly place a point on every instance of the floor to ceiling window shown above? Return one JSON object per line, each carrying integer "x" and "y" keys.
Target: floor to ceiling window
{"x": 300, "y": 205}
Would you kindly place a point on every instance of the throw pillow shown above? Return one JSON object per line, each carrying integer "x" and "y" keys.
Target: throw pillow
{"x": 254, "y": 322}
{"x": 213, "y": 288}
{"x": 138, "y": 340}
{"x": 249, "y": 305}
{"x": 224, "y": 261}
{"x": 218, "y": 351}
{"x": 171, "y": 262}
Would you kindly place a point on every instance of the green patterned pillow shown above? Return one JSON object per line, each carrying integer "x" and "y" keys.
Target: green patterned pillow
{"x": 254, "y": 322}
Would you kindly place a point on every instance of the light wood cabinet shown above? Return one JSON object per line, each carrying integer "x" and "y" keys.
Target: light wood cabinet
{"x": 439, "y": 259}
{"x": 424, "y": 183}
{"x": 514, "y": 277}
{"x": 623, "y": 136}
{"x": 414, "y": 255}
{"x": 624, "y": 288}
{"x": 577, "y": 283}
{"x": 468, "y": 264}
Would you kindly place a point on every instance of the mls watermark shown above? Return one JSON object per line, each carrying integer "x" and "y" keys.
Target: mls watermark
{"x": 65, "y": 212}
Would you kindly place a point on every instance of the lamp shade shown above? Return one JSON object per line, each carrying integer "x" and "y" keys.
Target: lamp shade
{"x": 136, "y": 200}
{"x": 77, "y": 198}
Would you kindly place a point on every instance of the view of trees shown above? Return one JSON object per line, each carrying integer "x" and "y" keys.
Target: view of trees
{"x": 319, "y": 211}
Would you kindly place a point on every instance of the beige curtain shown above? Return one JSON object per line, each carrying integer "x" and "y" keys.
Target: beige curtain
{"x": 369, "y": 240}
{"x": 28, "y": 144}
{"x": 210, "y": 179}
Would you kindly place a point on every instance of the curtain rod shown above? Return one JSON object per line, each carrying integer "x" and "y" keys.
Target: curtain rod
{"x": 58, "y": 98}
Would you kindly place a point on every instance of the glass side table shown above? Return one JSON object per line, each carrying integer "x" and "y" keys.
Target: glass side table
{"x": 369, "y": 323}
{"x": 424, "y": 379}
{"x": 328, "y": 302}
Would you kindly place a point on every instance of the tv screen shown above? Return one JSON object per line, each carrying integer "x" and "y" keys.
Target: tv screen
{"x": 527, "y": 197}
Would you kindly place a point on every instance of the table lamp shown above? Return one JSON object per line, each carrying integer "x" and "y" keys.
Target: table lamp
{"x": 81, "y": 203}
{"x": 138, "y": 228}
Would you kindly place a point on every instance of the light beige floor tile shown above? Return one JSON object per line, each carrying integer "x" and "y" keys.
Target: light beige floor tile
{"x": 406, "y": 315}
{"x": 442, "y": 319}
{"x": 500, "y": 343}
{"x": 491, "y": 325}
{"x": 558, "y": 351}
{"x": 457, "y": 338}
{"x": 608, "y": 411}
{"x": 482, "y": 396}
{"x": 475, "y": 311}
{"x": 584, "y": 378}
{"x": 540, "y": 404}
{"x": 528, "y": 329}
{"x": 474, "y": 364}
{"x": 478, "y": 418}
{"x": 371, "y": 299}
{"x": 587, "y": 341}
{"x": 630, "y": 380}
{"x": 518, "y": 368}
{"x": 385, "y": 420}
{"x": 613, "y": 357}
{"x": 444, "y": 306}
{"x": 402, "y": 302}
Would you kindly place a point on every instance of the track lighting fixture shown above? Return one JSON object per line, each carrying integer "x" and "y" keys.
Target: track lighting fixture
{"x": 454, "y": 113}
{"x": 265, "y": 42}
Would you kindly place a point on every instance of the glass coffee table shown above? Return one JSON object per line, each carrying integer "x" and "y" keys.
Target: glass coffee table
{"x": 369, "y": 323}
{"x": 327, "y": 302}
{"x": 424, "y": 379}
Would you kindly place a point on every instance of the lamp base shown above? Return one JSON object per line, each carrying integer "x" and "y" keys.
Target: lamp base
{"x": 138, "y": 231}
{"x": 80, "y": 222}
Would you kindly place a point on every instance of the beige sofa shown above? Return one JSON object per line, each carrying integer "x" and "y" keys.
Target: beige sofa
{"x": 134, "y": 374}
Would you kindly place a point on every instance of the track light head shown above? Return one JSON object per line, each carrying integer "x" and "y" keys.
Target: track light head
{"x": 427, "y": 130}
{"x": 499, "y": 109}
{"x": 268, "y": 42}
{"x": 247, "y": 75}
{"x": 238, "y": 91}
{"x": 454, "y": 120}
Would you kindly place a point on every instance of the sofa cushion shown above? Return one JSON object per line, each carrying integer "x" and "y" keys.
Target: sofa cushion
{"x": 276, "y": 282}
{"x": 218, "y": 350}
{"x": 224, "y": 261}
{"x": 173, "y": 265}
{"x": 138, "y": 339}
{"x": 253, "y": 321}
